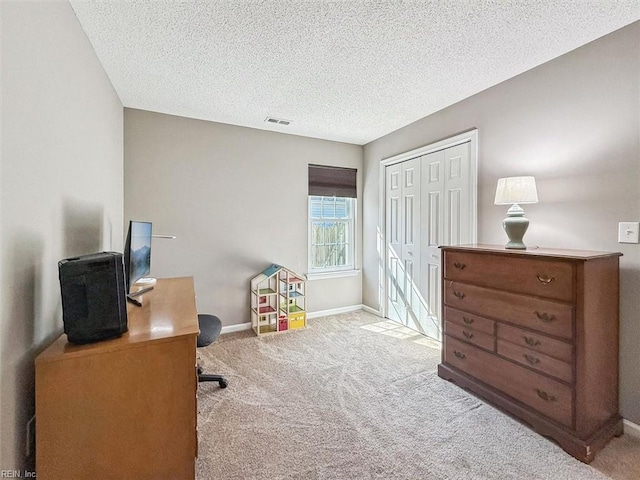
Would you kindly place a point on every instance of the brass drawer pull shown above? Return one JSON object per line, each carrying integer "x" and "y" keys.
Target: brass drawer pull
{"x": 545, "y": 396}
{"x": 531, "y": 359}
{"x": 459, "y": 266}
{"x": 460, "y": 295}
{"x": 460, "y": 355}
{"x": 467, "y": 320}
{"x": 531, "y": 341}
{"x": 467, "y": 334}
{"x": 545, "y": 317}
{"x": 545, "y": 279}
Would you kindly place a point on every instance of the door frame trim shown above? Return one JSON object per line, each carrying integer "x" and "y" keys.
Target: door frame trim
{"x": 470, "y": 136}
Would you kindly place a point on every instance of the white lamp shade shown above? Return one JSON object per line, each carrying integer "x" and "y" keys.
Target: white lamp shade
{"x": 516, "y": 190}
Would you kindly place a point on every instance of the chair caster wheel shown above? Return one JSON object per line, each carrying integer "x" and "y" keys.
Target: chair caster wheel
{"x": 223, "y": 383}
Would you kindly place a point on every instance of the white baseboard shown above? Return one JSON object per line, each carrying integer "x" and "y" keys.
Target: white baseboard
{"x": 238, "y": 327}
{"x": 631, "y": 428}
{"x": 334, "y": 311}
{"x": 372, "y": 311}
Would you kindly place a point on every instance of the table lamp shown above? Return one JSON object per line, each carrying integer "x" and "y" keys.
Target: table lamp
{"x": 514, "y": 191}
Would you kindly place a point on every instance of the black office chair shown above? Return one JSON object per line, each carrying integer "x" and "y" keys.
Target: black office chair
{"x": 210, "y": 327}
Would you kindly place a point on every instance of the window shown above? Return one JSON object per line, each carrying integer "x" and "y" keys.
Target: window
{"x": 331, "y": 234}
{"x": 332, "y": 206}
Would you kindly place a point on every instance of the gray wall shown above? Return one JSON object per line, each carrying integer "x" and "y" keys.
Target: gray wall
{"x": 574, "y": 124}
{"x": 62, "y": 188}
{"x": 236, "y": 198}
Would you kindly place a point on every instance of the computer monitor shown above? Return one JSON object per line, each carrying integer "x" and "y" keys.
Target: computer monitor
{"x": 137, "y": 252}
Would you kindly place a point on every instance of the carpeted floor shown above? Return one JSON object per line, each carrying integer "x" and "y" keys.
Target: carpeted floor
{"x": 355, "y": 397}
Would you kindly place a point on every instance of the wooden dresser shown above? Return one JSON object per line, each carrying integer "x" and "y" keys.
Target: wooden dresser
{"x": 123, "y": 408}
{"x": 535, "y": 332}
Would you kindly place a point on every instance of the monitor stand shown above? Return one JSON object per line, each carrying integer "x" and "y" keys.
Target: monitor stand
{"x": 134, "y": 300}
{"x": 140, "y": 292}
{"x": 131, "y": 297}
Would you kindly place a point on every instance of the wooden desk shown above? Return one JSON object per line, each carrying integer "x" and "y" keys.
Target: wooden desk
{"x": 123, "y": 408}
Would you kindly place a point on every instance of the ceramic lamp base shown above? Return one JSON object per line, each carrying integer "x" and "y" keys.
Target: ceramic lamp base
{"x": 515, "y": 225}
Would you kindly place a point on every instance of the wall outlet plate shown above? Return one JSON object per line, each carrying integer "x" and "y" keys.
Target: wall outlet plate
{"x": 628, "y": 232}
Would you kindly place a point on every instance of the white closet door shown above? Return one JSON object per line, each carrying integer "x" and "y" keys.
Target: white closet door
{"x": 396, "y": 309}
{"x": 428, "y": 204}
{"x": 457, "y": 205}
{"x": 403, "y": 242}
{"x": 432, "y": 223}
{"x": 411, "y": 241}
{"x": 447, "y": 219}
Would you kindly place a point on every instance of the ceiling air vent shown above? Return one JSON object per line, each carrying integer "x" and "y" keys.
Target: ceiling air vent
{"x": 279, "y": 121}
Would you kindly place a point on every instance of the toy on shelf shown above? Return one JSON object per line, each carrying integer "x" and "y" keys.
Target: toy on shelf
{"x": 278, "y": 300}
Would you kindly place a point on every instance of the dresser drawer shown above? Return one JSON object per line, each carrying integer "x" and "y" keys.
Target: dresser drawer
{"x": 533, "y": 276}
{"x": 547, "y": 396}
{"x": 536, "y": 342}
{"x": 469, "y": 320}
{"x": 542, "y": 315}
{"x": 470, "y": 335}
{"x": 539, "y": 361}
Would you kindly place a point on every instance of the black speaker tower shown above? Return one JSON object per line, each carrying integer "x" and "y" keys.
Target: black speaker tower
{"x": 94, "y": 305}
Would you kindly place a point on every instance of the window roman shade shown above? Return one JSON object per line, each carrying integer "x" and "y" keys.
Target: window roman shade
{"x": 327, "y": 181}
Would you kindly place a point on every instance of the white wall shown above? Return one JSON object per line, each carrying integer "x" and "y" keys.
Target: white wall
{"x": 236, "y": 198}
{"x": 62, "y": 188}
{"x": 573, "y": 123}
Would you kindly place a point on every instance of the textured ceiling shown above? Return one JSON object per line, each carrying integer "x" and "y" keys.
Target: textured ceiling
{"x": 348, "y": 71}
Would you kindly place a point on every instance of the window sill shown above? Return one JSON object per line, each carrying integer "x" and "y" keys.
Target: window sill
{"x": 334, "y": 274}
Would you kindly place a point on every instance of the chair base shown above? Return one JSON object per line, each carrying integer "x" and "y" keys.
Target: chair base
{"x": 207, "y": 377}
{"x": 210, "y": 328}
{"x": 213, "y": 378}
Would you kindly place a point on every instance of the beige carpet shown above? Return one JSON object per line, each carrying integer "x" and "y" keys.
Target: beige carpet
{"x": 354, "y": 397}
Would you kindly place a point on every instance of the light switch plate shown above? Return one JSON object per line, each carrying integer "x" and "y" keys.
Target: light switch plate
{"x": 628, "y": 232}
